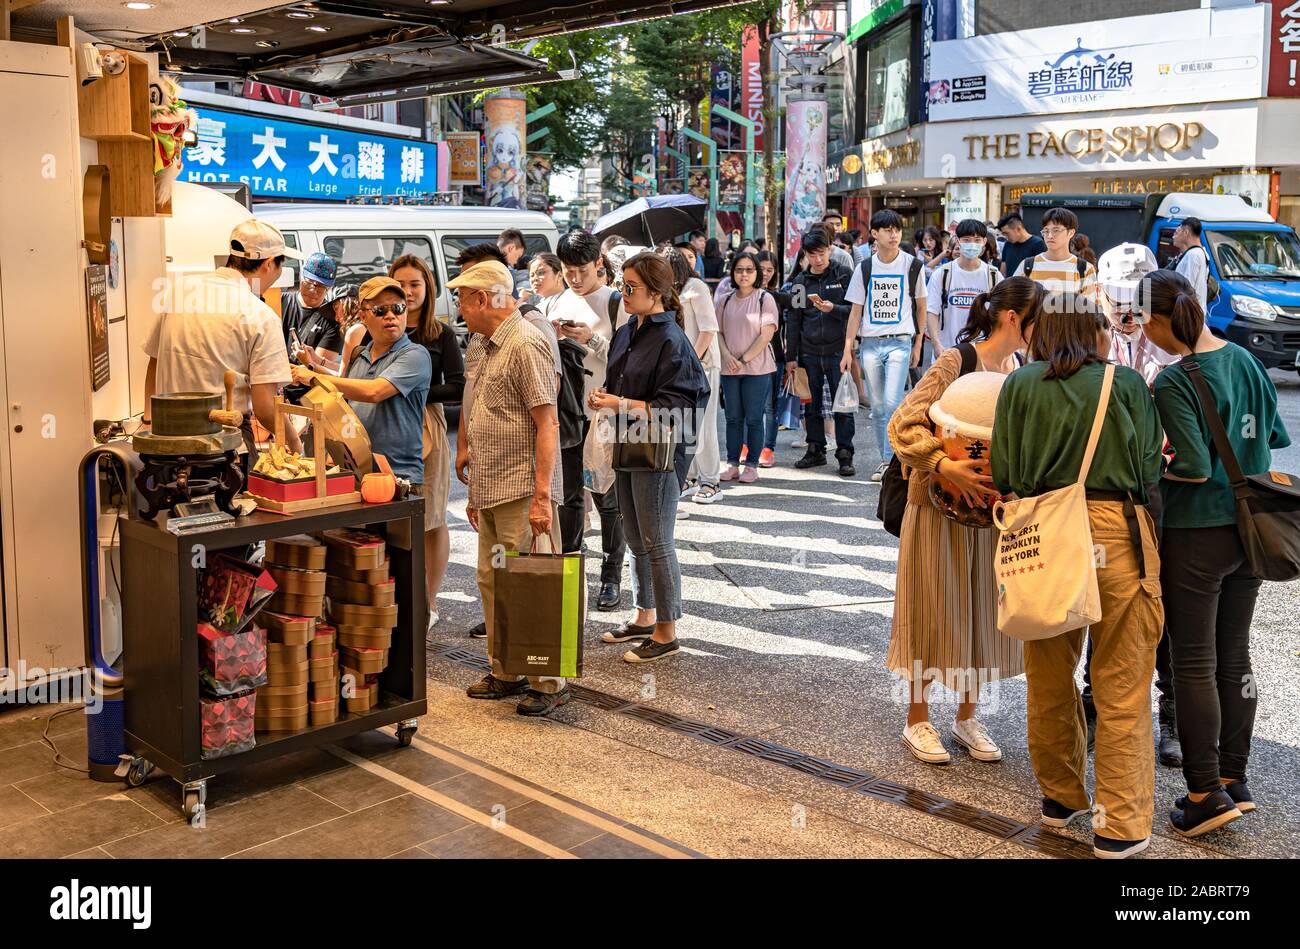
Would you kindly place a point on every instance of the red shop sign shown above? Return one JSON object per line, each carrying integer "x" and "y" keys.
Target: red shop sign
{"x": 1284, "y": 43}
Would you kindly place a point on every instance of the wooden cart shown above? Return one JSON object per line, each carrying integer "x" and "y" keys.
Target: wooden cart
{"x": 161, "y": 647}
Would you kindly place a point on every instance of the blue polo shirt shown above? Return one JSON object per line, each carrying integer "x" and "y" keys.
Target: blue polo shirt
{"x": 396, "y": 425}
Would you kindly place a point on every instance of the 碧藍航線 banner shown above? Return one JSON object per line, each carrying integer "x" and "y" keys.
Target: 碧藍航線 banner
{"x": 1185, "y": 57}
{"x": 287, "y": 159}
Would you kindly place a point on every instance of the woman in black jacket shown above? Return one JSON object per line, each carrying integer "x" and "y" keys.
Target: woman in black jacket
{"x": 654, "y": 375}
{"x": 714, "y": 263}
{"x": 446, "y": 386}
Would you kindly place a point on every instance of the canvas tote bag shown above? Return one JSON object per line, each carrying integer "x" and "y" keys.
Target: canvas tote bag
{"x": 1046, "y": 572}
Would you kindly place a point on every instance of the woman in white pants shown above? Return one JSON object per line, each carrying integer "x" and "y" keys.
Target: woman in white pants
{"x": 701, "y": 326}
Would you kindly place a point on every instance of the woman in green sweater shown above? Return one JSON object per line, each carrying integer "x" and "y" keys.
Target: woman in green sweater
{"x": 1210, "y": 589}
{"x": 1044, "y": 416}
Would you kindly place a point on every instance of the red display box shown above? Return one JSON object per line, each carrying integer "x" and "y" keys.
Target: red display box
{"x": 227, "y": 724}
{"x": 300, "y": 489}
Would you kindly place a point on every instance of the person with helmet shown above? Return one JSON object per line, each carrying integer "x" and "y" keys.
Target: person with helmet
{"x": 311, "y": 334}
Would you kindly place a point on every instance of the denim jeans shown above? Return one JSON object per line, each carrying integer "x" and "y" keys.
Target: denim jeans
{"x": 769, "y": 411}
{"x": 745, "y": 397}
{"x": 884, "y": 369}
{"x": 825, "y": 370}
{"x": 648, "y": 503}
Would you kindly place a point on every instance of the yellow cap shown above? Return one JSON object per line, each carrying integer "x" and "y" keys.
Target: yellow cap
{"x": 377, "y": 285}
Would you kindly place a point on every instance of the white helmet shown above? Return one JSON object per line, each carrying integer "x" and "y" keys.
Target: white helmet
{"x": 1122, "y": 268}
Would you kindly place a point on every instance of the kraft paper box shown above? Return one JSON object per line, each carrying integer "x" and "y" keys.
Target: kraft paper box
{"x": 375, "y": 575}
{"x": 355, "y": 549}
{"x": 301, "y": 550}
{"x": 270, "y": 698}
{"x": 365, "y": 661}
{"x": 341, "y": 590}
{"x": 297, "y": 605}
{"x": 365, "y": 637}
{"x": 288, "y": 630}
{"x": 298, "y": 582}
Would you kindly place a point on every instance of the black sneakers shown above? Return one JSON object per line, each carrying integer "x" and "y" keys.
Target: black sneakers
{"x": 1108, "y": 848}
{"x": 490, "y": 687}
{"x": 1240, "y": 795}
{"x": 626, "y": 632}
{"x": 813, "y": 459}
{"x": 543, "y": 703}
{"x": 846, "y": 466}
{"x": 649, "y": 651}
{"x": 1192, "y": 818}
{"x": 1058, "y": 815}
{"x": 479, "y": 631}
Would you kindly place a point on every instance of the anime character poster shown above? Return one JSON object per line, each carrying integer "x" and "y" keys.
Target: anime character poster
{"x": 505, "y": 178}
{"x": 466, "y": 158}
{"x": 539, "y": 182}
{"x": 805, "y": 171}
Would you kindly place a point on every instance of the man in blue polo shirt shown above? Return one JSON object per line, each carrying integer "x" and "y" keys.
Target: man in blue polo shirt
{"x": 387, "y": 379}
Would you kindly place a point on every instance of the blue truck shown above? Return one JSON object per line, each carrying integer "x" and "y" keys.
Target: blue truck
{"x": 1255, "y": 259}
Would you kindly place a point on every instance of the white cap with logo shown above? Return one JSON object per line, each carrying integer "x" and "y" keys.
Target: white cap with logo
{"x": 258, "y": 240}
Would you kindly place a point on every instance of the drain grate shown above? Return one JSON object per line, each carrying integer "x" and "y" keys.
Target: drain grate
{"x": 1031, "y": 837}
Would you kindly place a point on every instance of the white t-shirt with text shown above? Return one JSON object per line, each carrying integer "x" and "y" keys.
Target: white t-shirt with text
{"x": 963, "y": 287}
{"x": 887, "y": 308}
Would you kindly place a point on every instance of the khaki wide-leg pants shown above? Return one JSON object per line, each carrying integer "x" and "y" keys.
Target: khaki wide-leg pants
{"x": 1123, "y": 659}
{"x": 507, "y": 525}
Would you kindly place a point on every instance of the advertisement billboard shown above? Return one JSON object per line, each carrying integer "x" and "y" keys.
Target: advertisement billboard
{"x": 751, "y": 84}
{"x": 1190, "y": 56}
{"x": 1284, "y": 49}
{"x": 504, "y": 132}
{"x": 466, "y": 158}
{"x": 805, "y": 173}
{"x": 286, "y": 159}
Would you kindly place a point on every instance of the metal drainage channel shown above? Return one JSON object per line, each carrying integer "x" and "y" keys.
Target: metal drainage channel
{"x": 1031, "y": 836}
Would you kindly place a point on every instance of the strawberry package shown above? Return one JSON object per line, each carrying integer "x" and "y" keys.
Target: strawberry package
{"x": 231, "y": 591}
{"x": 231, "y": 662}
{"x": 227, "y": 724}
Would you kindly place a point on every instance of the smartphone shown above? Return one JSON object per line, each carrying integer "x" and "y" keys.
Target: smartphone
{"x": 815, "y": 297}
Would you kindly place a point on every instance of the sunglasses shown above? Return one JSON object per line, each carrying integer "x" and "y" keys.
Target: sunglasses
{"x": 385, "y": 308}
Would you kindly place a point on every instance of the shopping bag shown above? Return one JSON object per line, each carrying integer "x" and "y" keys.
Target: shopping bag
{"x": 846, "y": 396}
{"x": 539, "y": 611}
{"x": 598, "y": 453}
{"x": 788, "y": 410}
{"x": 801, "y": 388}
{"x": 1045, "y": 565}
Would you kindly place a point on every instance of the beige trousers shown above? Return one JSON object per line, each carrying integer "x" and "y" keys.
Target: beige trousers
{"x": 1123, "y": 659}
{"x": 507, "y": 525}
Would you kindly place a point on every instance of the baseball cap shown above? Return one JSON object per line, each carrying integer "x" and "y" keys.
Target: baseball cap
{"x": 1122, "y": 268}
{"x": 488, "y": 275}
{"x": 320, "y": 268}
{"x": 257, "y": 240}
{"x": 377, "y": 285}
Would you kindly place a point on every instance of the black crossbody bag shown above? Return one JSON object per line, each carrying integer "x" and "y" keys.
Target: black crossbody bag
{"x": 1268, "y": 505}
{"x": 645, "y": 446}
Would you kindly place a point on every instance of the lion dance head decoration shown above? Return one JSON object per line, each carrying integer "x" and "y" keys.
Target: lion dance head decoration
{"x": 169, "y": 120}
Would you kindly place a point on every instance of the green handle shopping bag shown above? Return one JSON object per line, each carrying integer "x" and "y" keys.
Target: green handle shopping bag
{"x": 539, "y": 612}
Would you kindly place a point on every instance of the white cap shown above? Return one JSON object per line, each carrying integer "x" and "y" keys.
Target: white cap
{"x": 1122, "y": 268}
{"x": 258, "y": 240}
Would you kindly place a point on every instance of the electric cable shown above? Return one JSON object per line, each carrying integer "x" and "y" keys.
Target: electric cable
{"x": 49, "y": 742}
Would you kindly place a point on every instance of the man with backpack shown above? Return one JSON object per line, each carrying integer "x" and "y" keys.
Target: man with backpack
{"x": 887, "y": 295}
{"x": 954, "y": 285}
{"x": 590, "y": 325}
{"x": 816, "y": 325}
{"x": 1058, "y": 270}
{"x": 1193, "y": 259}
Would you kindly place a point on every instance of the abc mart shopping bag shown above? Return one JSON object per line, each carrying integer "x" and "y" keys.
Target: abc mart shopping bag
{"x": 540, "y": 607}
{"x": 1045, "y": 567}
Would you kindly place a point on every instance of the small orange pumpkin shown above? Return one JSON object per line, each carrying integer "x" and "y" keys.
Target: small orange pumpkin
{"x": 378, "y": 487}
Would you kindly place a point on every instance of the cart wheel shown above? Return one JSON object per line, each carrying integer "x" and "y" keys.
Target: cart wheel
{"x": 193, "y": 805}
{"x": 138, "y": 772}
{"x": 404, "y": 735}
{"x": 194, "y": 800}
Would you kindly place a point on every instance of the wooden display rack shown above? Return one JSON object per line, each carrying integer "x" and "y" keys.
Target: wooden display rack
{"x": 322, "y": 499}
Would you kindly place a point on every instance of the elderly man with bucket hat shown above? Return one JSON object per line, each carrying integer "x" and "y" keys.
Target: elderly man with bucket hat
{"x": 210, "y": 323}
{"x": 512, "y": 435}
{"x": 387, "y": 379}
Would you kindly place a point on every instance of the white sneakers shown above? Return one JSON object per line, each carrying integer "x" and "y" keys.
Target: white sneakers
{"x": 923, "y": 741}
{"x": 972, "y": 736}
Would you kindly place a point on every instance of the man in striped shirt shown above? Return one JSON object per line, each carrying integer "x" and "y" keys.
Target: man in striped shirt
{"x": 1058, "y": 269}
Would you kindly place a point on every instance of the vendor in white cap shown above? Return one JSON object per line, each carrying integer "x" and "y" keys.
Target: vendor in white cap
{"x": 1119, "y": 271}
{"x": 213, "y": 322}
{"x": 387, "y": 380}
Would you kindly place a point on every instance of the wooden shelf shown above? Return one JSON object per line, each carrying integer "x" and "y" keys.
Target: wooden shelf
{"x": 116, "y": 108}
{"x": 130, "y": 177}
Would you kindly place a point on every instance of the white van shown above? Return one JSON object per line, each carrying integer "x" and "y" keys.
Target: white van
{"x": 365, "y": 239}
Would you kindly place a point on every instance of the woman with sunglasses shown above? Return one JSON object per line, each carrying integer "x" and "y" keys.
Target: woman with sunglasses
{"x": 655, "y": 379}
{"x": 446, "y": 386}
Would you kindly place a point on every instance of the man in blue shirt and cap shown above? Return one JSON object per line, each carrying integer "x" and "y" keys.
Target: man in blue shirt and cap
{"x": 308, "y": 319}
{"x": 387, "y": 380}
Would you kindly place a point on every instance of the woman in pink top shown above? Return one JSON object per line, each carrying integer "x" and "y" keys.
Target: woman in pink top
{"x": 747, "y": 318}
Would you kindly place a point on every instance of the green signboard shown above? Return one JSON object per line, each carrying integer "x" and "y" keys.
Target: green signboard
{"x": 881, "y": 12}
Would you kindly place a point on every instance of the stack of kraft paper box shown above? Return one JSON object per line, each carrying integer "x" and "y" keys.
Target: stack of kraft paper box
{"x": 363, "y": 611}
{"x": 298, "y": 565}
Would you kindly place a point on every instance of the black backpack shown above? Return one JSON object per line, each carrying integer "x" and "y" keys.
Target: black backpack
{"x": 573, "y": 381}
{"x": 893, "y": 486}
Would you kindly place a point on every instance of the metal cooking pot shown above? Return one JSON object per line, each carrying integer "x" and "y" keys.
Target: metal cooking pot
{"x": 185, "y": 413}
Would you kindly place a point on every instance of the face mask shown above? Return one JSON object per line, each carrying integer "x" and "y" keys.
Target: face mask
{"x": 971, "y": 251}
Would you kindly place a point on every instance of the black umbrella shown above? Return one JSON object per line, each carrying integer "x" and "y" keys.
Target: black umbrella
{"x": 646, "y": 221}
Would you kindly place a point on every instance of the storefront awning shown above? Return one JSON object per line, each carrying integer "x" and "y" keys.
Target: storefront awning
{"x": 339, "y": 48}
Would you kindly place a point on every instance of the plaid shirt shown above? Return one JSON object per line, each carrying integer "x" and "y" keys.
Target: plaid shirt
{"x": 513, "y": 373}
